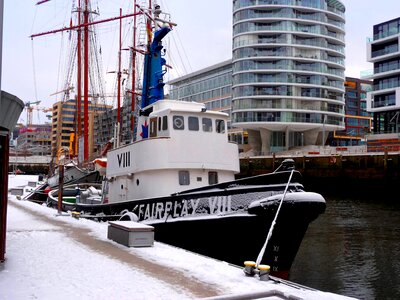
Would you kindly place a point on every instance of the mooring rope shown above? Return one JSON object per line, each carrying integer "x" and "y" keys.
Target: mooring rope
{"x": 261, "y": 254}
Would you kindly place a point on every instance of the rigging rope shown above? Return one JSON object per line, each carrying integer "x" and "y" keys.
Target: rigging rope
{"x": 184, "y": 52}
{"x": 179, "y": 46}
{"x": 261, "y": 254}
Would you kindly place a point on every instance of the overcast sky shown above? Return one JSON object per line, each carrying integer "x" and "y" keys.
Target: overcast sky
{"x": 30, "y": 69}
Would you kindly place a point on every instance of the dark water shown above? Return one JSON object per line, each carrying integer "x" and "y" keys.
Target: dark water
{"x": 353, "y": 249}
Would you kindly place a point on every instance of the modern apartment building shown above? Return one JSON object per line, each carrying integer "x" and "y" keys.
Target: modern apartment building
{"x": 288, "y": 71}
{"x": 213, "y": 87}
{"x": 34, "y": 140}
{"x": 105, "y": 127}
{"x": 105, "y": 123}
{"x": 64, "y": 123}
{"x": 384, "y": 101}
{"x": 384, "y": 52}
{"x": 285, "y": 84}
{"x": 358, "y": 121}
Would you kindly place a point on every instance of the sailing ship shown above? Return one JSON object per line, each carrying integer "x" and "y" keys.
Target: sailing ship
{"x": 179, "y": 176}
{"x": 72, "y": 175}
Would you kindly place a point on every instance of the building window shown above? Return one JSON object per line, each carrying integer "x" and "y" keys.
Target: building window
{"x": 184, "y": 178}
{"x": 212, "y": 177}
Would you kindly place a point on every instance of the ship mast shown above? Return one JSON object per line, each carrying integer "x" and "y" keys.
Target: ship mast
{"x": 85, "y": 25}
{"x": 153, "y": 84}
{"x": 119, "y": 78}
{"x": 133, "y": 94}
{"x": 79, "y": 78}
{"x": 86, "y": 84}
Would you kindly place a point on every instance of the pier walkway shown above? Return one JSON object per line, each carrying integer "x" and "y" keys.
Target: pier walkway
{"x": 189, "y": 285}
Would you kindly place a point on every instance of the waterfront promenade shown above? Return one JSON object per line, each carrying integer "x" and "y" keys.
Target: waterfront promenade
{"x": 312, "y": 161}
{"x": 316, "y": 162}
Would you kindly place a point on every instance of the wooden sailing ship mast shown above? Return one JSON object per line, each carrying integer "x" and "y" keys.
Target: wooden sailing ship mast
{"x": 85, "y": 26}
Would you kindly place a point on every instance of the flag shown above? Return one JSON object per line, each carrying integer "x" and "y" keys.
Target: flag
{"x": 145, "y": 131}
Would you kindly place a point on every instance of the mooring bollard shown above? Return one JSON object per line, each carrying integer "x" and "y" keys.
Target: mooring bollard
{"x": 249, "y": 268}
{"x": 264, "y": 272}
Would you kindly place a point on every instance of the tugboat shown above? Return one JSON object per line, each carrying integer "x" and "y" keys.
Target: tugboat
{"x": 179, "y": 177}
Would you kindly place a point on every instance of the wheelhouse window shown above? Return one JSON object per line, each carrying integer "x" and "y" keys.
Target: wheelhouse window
{"x": 193, "y": 123}
{"x": 178, "y": 122}
{"x": 165, "y": 123}
{"x": 212, "y": 177}
{"x": 184, "y": 178}
{"x": 207, "y": 124}
{"x": 153, "y": 127}
{"x": 220, "y": 125}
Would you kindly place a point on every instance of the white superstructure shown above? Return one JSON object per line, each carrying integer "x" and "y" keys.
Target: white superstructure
{"x": 180, "y": 146}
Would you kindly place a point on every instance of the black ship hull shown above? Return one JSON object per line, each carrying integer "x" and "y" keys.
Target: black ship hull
{"x": 239, "y": 237}
{"x": 228, "y": 221}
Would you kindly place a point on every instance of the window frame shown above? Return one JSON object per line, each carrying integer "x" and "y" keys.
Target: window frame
{"x": 193, "y": 123}
{"x": 184, "y": 177}
{"x": 206, "y": 126}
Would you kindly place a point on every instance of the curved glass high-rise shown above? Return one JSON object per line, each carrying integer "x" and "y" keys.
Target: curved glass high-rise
{"x": 288, "y": 71}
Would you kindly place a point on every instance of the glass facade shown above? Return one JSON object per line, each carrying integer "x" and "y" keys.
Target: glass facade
{"x": 384, "y": 99}
{"x": 386, "y": 29}
{"x": 358, "y": 121}
{"x": 211, "y": 86}
{"x": 288, "y": 69}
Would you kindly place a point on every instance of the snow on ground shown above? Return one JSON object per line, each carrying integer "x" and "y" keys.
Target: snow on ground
{"x": 44, "y": 262}
{"x": 20, "y": 180}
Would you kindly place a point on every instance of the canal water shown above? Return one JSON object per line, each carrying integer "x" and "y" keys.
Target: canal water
{"x": 353, "y": 249}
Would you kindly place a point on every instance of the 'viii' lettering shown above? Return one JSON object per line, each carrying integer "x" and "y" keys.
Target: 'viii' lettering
{"x": 124, "y": 159}
{"x": 219, "y": 204}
